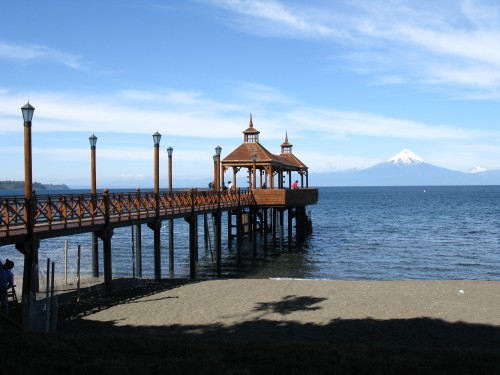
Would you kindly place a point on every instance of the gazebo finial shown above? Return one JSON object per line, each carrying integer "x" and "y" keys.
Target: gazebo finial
{"x": 286, "y": 136}
{"x": 251, "y": 122}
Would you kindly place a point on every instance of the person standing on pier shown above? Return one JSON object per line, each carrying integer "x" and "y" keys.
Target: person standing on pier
{"x": 230, "y": 185}
{"x": 6, "y": 282}
{"x": 295, "y": 185}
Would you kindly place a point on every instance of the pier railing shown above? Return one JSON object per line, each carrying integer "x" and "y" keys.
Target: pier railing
{"x": 62, "y": 211}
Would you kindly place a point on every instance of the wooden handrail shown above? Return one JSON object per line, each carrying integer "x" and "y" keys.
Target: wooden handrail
{"x": 62, "y": 210}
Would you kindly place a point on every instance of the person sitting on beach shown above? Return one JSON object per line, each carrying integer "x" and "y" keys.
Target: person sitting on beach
{"x": 295, "y": 185}
{"x": 6, "y": 282}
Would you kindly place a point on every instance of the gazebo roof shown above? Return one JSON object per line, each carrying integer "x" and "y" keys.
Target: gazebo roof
{"x": 242, "y": 155}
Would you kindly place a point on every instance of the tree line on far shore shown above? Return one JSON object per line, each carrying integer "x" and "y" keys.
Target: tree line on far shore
{"x": 15, "y": 185}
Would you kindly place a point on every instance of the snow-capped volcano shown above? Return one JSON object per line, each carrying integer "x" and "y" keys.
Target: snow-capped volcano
{"x": 408, "y": 169}
{"x": 405, "y": 157}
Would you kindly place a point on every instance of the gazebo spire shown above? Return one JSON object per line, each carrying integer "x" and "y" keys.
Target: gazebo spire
{"x": 286, "y": 147}
{"x": 251, "y": 134}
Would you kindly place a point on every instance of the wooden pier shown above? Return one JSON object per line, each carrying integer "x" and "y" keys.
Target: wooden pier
{"x": 252, "y": 210}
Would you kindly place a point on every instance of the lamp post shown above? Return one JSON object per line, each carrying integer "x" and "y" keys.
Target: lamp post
{"x": 170, "y": 150}
{"x": 215, "y": 173}
{"x": 93, "y": 200}
{"x": 218, "y": 151}
{"x": 254, "y": 171}
{"x": 157, "y": 224}
{"x": 30, "y": 247}
{"x": 27, "y": 111}
{"x": 93, "y": 142}
{"x": 156, "y": 139}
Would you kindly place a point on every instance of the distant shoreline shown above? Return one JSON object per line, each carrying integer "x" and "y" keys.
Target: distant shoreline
{"x": 19, "y": 185}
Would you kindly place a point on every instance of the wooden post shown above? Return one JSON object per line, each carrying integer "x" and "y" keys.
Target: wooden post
{"x": 266, "y": 229}
{"x": 171, "y": 245}
{"x": 281, "y": 218}
{"x": 52, "y": 303}
{"x": 290, "y": 228}
{"x": 66, "y": 262}
{"x": 229, "y": 229}
{"x": 206, "y": 233}
{"x": 155, "y": 226}
{"x": 47, "y": 304}
{"x": 193, "y": 238}
{"x": 95, "y": 256}
{"x": 274, "y": 220}
{"x": 192, "y": 245}
{"x": 105, "y": 237}
{"x": 138, "y": 249}
{"x": 133, "y": 252}
{"x": 218, "y": 236}
{"x": 218, "y": 241}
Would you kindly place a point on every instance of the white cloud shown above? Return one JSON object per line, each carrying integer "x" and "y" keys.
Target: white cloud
{"x": 430, "y": 43}
{"x": 34, "y": 52}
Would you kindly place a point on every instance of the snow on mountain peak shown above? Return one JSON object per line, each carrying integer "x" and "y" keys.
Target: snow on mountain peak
{"x": 478, "y": 169}
{"x": 406, "y": 157}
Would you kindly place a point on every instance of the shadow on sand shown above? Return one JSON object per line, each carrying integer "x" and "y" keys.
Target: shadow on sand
{"x": 409, "y": 333}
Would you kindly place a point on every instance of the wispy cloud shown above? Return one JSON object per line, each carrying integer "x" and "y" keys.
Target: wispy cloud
{"x": 34, "y": 52}
{"x": 141, "y": 112}
{"x": 438, "y": 44}
{"x": 290, "y": 20}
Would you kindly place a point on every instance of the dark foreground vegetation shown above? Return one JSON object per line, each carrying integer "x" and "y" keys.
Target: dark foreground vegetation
{"x": 81, "y": 353}
{"x": 358, "y": 346}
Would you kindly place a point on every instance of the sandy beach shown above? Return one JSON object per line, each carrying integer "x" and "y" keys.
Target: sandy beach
{"x": 290, "y": 308}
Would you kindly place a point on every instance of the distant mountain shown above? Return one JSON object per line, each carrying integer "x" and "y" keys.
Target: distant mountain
{"x": 405, "y": 169}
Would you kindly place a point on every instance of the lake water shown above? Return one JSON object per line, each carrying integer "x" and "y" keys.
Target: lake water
{"x": 379, "y": 233}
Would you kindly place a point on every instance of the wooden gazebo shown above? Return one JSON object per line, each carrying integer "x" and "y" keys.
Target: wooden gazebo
{"x": 263, "y": 166}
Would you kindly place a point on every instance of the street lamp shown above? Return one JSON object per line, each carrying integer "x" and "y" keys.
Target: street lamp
{"x": 218, "y": 151}
{"x": 93, "y": 192}
{"x": 93, "y": 142}
{"x": 27, "y": 111}
{"x": 214, "y": 184}
{"x": 170, "y": 150}
{"x": 254, "y": 160}
{"x": 156, "y": 139}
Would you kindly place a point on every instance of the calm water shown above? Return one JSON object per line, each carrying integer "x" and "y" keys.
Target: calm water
{"x": 358, "y": 233}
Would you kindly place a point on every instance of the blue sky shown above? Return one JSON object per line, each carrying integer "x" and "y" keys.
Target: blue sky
{"x": 353, "y": 82}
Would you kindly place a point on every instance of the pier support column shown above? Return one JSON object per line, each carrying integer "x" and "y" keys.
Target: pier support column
{"x": 239, "y": 230}
{"x": 229, "y": 230}
{"x": 95, "y": 256}
{"x": 281, "y": 227}
{"x": 274, "y": 225}
{"x": 105, "y": 237}
{"x": 138, "y": 249}
{"x": 290, "y": 228}
{"x": 156, "y": 227}
{"x": 253, "y": 230}
{"x": 30, "y": 279}
{"x": 266, "y": 230}
{"x": 193, "y": 244}
{"x": 171, "y": 245}
{"x": 300, "y": 220}
{"x": 218, "y": 241}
